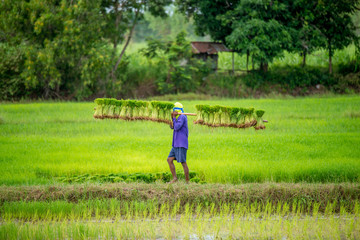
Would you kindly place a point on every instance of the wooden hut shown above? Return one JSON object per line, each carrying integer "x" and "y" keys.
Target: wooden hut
{"x": 208, "y": 50}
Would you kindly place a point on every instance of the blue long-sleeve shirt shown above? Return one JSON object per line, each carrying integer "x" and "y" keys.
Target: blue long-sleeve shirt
{"x": 181, "y": 132}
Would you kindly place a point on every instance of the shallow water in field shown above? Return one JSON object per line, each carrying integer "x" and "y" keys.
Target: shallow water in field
{"x": 194, "y": 227}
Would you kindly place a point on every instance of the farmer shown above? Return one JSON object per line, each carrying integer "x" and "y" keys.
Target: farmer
{"x": 179, "y": 142}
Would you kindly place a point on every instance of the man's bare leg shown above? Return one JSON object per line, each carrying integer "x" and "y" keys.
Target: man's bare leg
{"x": 186, "y": 171}
{"x": 172, "y": 168}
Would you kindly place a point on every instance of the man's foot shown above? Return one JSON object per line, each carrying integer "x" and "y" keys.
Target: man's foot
{"x": 173, "y": 181}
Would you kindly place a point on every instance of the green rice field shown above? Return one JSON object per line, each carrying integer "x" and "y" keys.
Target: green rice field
{"x": 66, "y": 175}
{"x": 244, "y": 222}
{"x": 312, "y": 139}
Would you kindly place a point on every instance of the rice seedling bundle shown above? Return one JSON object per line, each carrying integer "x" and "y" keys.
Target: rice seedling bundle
{"x": 259, "y": 120}
{"x": 158, "y": 111}
{"x": 221, "y": 116}
{"x": 133, "y": 110}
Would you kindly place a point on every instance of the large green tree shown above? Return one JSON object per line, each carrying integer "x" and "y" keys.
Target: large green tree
{"x": 64, "y": 51}
{"x": 63, "y": 45}
{"x": 121, "y": 18}
{"x": 257, "y": 29}
{"x": 306, "y": 38}
{"x": 184, "y": 70}
{"x": 206, "y": 16}
{"x": 265, "y": 28}
{"x": 334, "y": 21}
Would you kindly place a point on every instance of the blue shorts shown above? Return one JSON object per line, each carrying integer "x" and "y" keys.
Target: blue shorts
{"x": 179, "y": 153}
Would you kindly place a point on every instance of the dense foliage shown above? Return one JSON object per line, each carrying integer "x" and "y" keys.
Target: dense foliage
{"x": 77, "y": 49}
{"x": 185, "y": 72}
{"x": 61, "y": 48}
{"x": 264, "y": 29}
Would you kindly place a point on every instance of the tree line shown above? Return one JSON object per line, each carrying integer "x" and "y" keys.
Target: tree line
{"x": 263, "y": 29}
{"x": 77, "y": 48}
{"x": 67, "y": 47}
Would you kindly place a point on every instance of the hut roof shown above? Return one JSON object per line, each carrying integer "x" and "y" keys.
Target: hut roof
{"x": 208, "y": 47}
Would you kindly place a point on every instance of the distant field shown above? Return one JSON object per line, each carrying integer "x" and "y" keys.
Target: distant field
{"x": 306, "y": 139}
{"x": 319, "y": 58}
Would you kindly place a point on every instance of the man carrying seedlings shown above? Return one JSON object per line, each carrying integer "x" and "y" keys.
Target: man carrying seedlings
{"x": 179, "y": 142}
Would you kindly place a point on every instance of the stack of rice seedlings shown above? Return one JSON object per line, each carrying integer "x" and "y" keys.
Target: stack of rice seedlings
{"x": 131, "y": 104}
{"x": 99, "y": 108}
{"x": 199, "y": 114}
{"x": 206, "y": 114}
{"x": 211, "y": 110}
{"x": 136, "y": 110}
{"x": 250, "y": 120}
{"x": 142, "y": 114}
{"x": 242, "y": 118}
{"x": 113, "y": 108}
{"x": 217, "y": 116}
{"x": 221, "y": 116}
{"x": 234, "y": 117}
{"x": 212, "y": 116}
{"x": 118, "y": 108}
{"x": 225, "y": 116}
{"x": 259, "y": 120}
{"x": 165, "y": 111}
{"x": 147, "y": 111}
{"x": 124, "y": 109}
{"x": 107, "y": 111}
{"x": 155, "y": 110}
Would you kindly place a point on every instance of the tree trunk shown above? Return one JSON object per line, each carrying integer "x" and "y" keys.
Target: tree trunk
{"x": 330, "y": 58}
{"x": 264, "y": 66}
{"x": 247, "y": 60}
{"x": 117, "y": 20}
{"x": 46, "y": 90}
{"x": 57, "y": 89}
{"x": 252, "y": 60}
{"x": 304, "y": 58}
{"x": 126, "y": 44}
{"x": 233, "y": 63}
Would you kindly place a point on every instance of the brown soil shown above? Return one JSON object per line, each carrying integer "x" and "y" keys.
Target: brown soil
{"x": 199, "y": 122}
{"x": 253, "y": 123}
{"x": 99, "y": 117}
{"x": 247, "y": 125}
